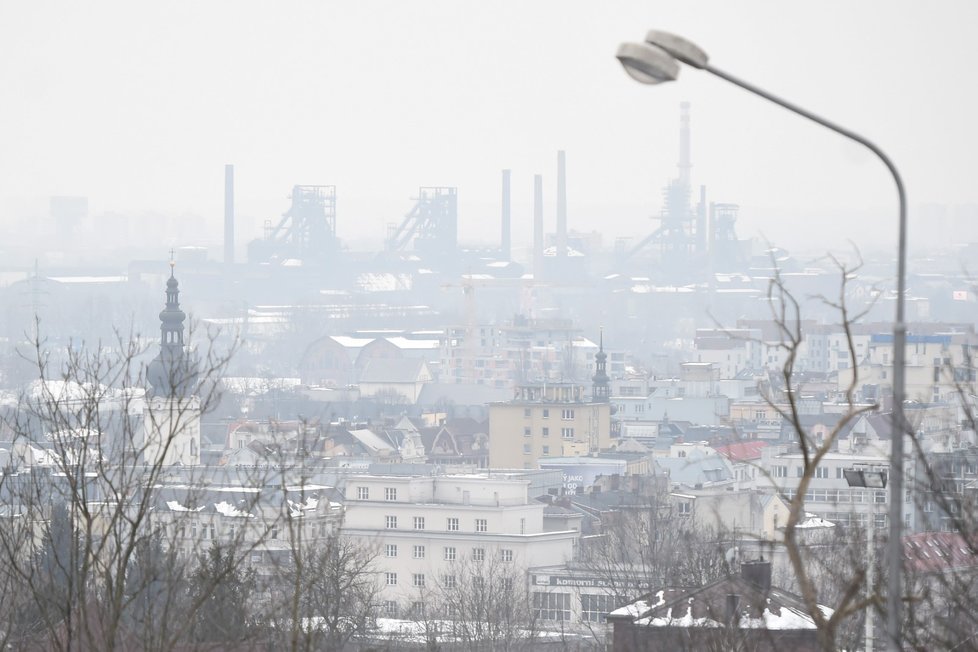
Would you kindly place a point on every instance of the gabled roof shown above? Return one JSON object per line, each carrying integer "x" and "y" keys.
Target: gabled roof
{"x": 742, "y": 451}
{"x": 393, "y": 370}
{"x": 707, "y": 607}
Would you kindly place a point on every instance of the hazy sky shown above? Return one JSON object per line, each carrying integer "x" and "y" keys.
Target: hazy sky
{"x": 138, "y": 106}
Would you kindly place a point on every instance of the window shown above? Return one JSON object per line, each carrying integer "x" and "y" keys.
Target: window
{"x": 821, "y": 472}
{"x": 526, "y": 431}
{"x": 450, "y": 553}
{"x": 273, "y": 533}
{"x": 685, "y": 508}
{"x": 552, "y": 606}
{"x": 522, "y": 526}
{"x": 567, "y": 433}
{"x": 838, "y": 473}
{"x": 418, "y": 552}
{"x": 526, "y": 449}
{"x": 390, "y": 493}
{"x": 481, "y": 525}
{"x": 448, "y": 581}
{"x": 478, "y": 554}
{"x": 418, "y": 580}
{"x": 879, "y": 497}
{"x": 567, "y": 414}
{"x": 506, "y": 554}
{"x": 391, "y": 550}
{"x": 363, "y": 493}
{"x": 546, "y": 413}
{"x": 799, "y": 471}
{"x": 526, "y": 413}
{"x": 453, "y": 524}
{"x": 389, "y": 608}
{"x": 391, "y": 522}
{"x": 595, "y": 608}
{"x": 546, "y": 450}
{"x": 507, "y": 584}
{"x": 193, "y": 530}
{"x": 209, "y": 529}
{"x": 419, "y": 522}
{"x": 391, "y": 579}
{"x": 546, "y": 431}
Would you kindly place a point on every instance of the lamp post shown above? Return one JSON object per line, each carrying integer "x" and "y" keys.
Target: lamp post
{"x": 869, "y": 480}
{"x": 657, "y": 60}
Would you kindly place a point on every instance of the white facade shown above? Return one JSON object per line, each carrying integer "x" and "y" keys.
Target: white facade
{"x": 172, "y": 431}
{"x": 431, "y": 531}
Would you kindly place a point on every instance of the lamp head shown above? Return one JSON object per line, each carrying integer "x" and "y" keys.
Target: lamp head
{"x": 678, "y": 47}
{"x": 646, "y": 63}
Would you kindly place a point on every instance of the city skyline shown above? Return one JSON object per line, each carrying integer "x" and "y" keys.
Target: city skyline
{"x": 139, "y": 110}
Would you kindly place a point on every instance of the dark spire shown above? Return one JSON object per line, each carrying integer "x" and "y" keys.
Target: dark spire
{"x": 600, "y": 390}
{"x": 172, "y": 373}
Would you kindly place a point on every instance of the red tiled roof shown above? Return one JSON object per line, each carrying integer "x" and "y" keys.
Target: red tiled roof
{"x": 939, "y": 551}
{"x": 742, "y": 450}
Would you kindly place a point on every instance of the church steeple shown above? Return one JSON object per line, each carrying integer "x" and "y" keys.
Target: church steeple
{"x": 172, "y": 373}
{"x": 600, "y": 389}
{"x": 172, "y": 318}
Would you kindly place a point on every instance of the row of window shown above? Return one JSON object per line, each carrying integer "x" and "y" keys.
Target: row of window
{"x": 566, "y": 414}
{"x": 838, "y": 496}
{"x": 450, "y": 553}
{"x": 565, "y": 433}
{"x": 821, "y": 472}
{"x": 556, "y": 606}
{"x": 447, "y": 581}
{"x": 390, "y": 493}
{"x": 452, "y": 523}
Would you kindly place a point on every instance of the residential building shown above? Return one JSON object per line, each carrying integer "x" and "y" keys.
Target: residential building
{"x": 548, "y": 420}
{"x": 434, "y": 530}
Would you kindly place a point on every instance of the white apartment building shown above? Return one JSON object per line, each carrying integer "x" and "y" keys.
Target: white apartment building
{"x": 434, "y": 532}
{"x": 829, "y": 495}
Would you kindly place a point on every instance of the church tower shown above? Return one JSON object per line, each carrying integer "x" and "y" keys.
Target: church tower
{"x": 600, "y": 389}
{"x": 172, "y": 414}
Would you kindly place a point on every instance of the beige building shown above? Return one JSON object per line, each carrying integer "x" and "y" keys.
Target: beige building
{"x": 550, "y": 420}
{"x": 431, "y": 533}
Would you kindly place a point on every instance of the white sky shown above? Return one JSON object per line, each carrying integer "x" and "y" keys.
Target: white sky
{"x": 139, "y": 105}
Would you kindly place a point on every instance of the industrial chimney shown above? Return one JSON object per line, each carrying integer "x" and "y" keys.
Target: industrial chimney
{"x": 561, "y": 205}
{"x": 229, "y": 214}
{"x": 506, "y": 243}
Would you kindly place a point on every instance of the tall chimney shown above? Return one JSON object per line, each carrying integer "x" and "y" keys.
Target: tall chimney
{"x": 685, "y": 165}
{"x": 701, "y": 222}
{"x": 537, "y": 227}
{"x": 561, "y": 205}
{"x": 506, "y": 243}
{"x": 229, "y": 214}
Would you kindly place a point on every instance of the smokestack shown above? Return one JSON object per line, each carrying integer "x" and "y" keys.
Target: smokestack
{"x": 701, "y": 222}
{"x": 537, "y": 226}
{"x": 684, "y": 162}
{"x": 561, "y": 205}
{"x": 506, "y": 240}
{"x": 229, "y": 214}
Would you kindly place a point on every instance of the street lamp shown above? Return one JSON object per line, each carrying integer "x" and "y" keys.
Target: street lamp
{"x": 868, "y": 479}
{"x": 654, "y": 62}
